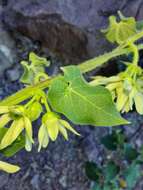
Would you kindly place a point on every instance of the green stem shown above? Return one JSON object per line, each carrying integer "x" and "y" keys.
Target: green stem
{"x": 135, "y": 52}
{"x": 25, "y": 93}
{"x": 135, "y": 37}
{"x": 86, "y": 66}
{"x": 100, "y": 60}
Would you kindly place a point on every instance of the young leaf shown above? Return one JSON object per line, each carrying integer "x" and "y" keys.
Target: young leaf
{"x": 38, "y": 61}
{"x": 114, "y": 140}
{"x": 111, "y": 171}
{"x": 110, "y": 141}
{"x": 28, "y": 74}
{"x": 83, "y": 104}
{"x": 130, "y": 153}
{"x": 132, "y": 174}
{"x": 32, "y": 68}
{"x": 97, "y": 187}
{"x": 120, "y": 31}
{"x": 92, "y": 171}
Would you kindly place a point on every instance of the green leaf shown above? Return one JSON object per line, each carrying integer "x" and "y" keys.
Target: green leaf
{"x": 111, "y": 171}
{"x": 132, "y": 175}
{"x": 15, "y": 147}
{"x": 114, "y": 140}
{"x": 92, "y": 171}
{"x": 28, "y": 74}
{"x": 33, "y": 68}
{"x": 38, "y": 61}
{"x": 130, "y": 152}
{"x": 139, "y": 25}
{"x": 107, "y": 187}
{"x": 110, "y": 141}
{"x": 83, "y": 104}
{"x": 97, "y": 187}
{"x": 120, "y": 31}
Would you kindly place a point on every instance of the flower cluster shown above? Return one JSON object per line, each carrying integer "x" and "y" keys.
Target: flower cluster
{"x": 15, "y": 115}
{"x": 51, "y": 126}
{"x": 126, "y": 88}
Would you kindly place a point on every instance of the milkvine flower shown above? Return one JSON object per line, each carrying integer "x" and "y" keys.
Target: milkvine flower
{"x": 51, "y": 126}
{"x": 126, "y": 88}
{"x": 16, "y": 115}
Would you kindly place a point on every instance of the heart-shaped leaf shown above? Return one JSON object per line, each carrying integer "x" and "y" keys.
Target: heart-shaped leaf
{"x": 83, "y": 104}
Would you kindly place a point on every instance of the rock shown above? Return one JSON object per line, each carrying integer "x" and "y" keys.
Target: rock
{"x": 133, "y": 8}
{"x": 13, "y": 73}
{"x": 92, "y": 145}
{"x": 69, "y": 29}
{"x": 63, "y": 181}
{"x": 35, "y": 181}
{"x": 3, "y": 180}
{"x": 7, "y": 48}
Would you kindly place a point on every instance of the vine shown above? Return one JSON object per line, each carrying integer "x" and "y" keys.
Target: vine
{"x": 97, "y": 102}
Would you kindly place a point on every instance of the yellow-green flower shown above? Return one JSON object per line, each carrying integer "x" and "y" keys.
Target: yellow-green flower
{"x": 126, "y": 89}
{"x": 19, "y": 122}
{"x": 51, "y": 126}
{"x": 9, "y": 168}
{"x": 4, "y": 116}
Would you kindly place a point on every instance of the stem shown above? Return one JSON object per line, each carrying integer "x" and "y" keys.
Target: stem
{"x": 135, "y": 37}
{"x": 100, "y": 60}
{"x": 25, "y": 93}
{"x": 86, "y": 66}
{"x": 136, "y": 53}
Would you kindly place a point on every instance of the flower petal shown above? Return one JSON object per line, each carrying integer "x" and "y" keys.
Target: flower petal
{"x": 122, "y": 98}
{"x": 4, "y": 109}
{"x": 68, "y": 126}
{"x": 12, "y": 133}
{"x": 4, "y": 120}
{"x": 53, "y": 129}
{"x": 9, "y": 167}
{"x": 43, "y": 137}
{"x": 63, "y": 131}
{"x": 138, "y": 98}
{"x": 28, "y": 128}
{"x": 28, "y": 143}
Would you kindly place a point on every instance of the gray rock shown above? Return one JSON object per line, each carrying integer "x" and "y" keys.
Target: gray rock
{"x": 13, "y": 73}
{"x": 35, "y": 181}
{"x": 7, "y": 50}
{"x": 69, "y": 29}
{"x": 3, "y": 180}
